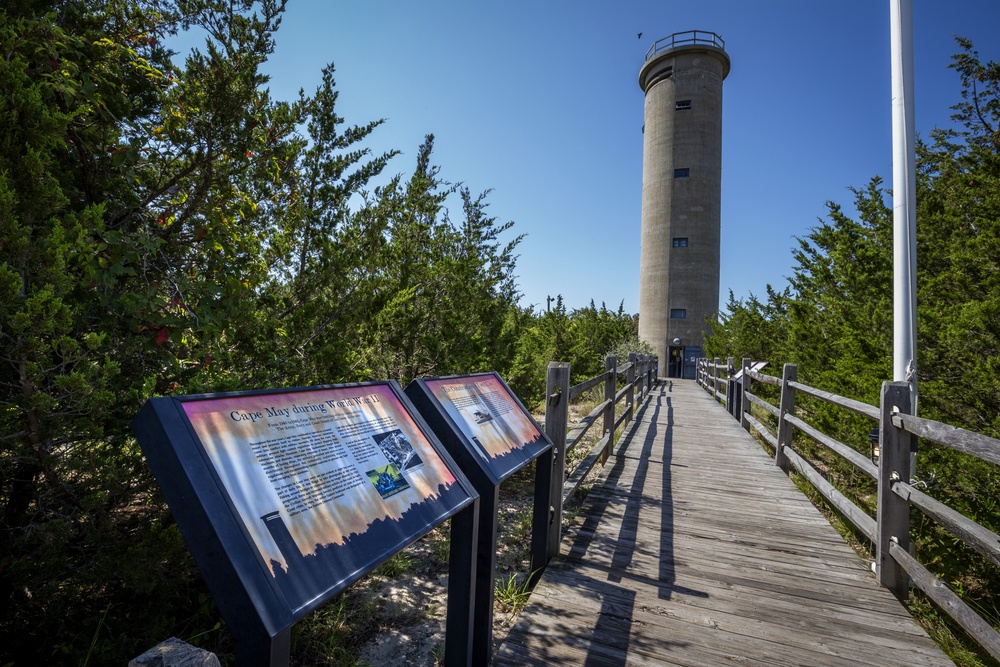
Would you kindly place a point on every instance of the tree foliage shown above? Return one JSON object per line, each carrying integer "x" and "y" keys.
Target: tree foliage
{"x": 444, "y": 288}
{"x": 130, "y": 239}
{"x": 168, "y": 227}
{"x": 583, "y": 337}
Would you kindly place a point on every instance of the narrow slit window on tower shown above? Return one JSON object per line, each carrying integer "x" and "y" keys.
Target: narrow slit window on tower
{"x": 682, "y": 104}
{"x": 680, "y": 242}
{"x": 682, "y": 173}
{"x": 678, "y": 313}
{"x": 665, "y": 74}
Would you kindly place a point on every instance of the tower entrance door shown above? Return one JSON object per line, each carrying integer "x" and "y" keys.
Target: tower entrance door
{"x": 675, "y": 366}
{"x": 682, "y": 361}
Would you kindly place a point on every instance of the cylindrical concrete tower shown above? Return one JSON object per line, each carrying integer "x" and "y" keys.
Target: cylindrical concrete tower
{"x": 681, "y": 194}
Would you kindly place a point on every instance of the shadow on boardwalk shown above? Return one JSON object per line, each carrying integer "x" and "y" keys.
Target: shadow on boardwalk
{"x": 694, "y": 549}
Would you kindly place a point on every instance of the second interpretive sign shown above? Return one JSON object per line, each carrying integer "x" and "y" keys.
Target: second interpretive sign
{"x": 484, "y": 410}
{"x": 491, "y": 435}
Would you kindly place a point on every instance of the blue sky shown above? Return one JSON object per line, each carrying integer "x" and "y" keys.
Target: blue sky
{"x": 539, "y": 101}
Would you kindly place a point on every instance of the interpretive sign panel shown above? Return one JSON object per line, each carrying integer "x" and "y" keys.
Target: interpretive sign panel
{"x": 300, "y": 492}
{"x": 482, "y": 408}
{"x": 491, "y": 435}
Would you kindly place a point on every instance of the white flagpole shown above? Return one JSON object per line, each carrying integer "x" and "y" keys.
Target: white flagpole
{"x": 904, "y": 201}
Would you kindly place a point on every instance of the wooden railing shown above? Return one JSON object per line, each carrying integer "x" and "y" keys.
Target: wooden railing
{"x": 711, "y": 374}
{"x": 637, "y": 377}
{"x": 898, "y": 430}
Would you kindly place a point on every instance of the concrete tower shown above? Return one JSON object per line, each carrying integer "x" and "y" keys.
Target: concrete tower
{"x": 681, "y": 194}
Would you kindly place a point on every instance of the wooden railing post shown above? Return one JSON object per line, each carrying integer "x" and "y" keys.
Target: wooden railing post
{"x": 730, "y": 399}
{"x": 715, "y": 379}
{"x": 638, "y": 379}
{"x": 744, "y": 388}
{"x": 893, "y": 518}
{"x": 787, "y": 407}
{"x": 556, "y": 421}
{"x": 645, "y": 375}
{"x": 610, "y": 387}
{"x": 630, "y": 380}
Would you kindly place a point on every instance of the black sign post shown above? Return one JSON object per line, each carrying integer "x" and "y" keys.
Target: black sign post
{"x": 287, "y": 497}
{"x": 491, "y": 435}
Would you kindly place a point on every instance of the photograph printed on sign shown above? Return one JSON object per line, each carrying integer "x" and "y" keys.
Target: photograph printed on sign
{"x": 397, "y": 449}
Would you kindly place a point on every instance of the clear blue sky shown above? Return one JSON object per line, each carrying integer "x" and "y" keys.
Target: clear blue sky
{"x": 539, "y": 100}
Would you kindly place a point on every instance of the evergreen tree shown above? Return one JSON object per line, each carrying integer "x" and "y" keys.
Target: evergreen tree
{"x": 446, "y": 288}
{"x": 166, "y": 227}
{"x": 323, "y": 258}
{"x": 131, "y": 243}
{"x": 959, "y": 255}
{"x": 840, "y": 314}
{"x": 751, "y": 328}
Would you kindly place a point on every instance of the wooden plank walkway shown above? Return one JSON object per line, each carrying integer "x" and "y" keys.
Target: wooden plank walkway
{"x": 694, "y": 549}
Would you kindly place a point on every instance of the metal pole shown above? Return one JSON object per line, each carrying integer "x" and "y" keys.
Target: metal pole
{"x": 904, "y": 202}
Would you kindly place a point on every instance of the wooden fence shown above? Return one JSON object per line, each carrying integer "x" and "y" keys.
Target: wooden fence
{"x": 711, "y": 374}
{"x": 639, "y": 374}
{"x": 898, "y": 430}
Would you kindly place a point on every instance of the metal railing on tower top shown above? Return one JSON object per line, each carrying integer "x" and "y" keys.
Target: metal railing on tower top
{"x": 685, "y": 38}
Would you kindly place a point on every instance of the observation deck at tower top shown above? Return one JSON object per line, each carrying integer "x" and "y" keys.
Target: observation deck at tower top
{"x": 686, "y": 38}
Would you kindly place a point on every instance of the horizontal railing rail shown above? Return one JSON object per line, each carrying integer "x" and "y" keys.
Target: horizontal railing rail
{"x": 898, "y": 430}
{"x": 576, "y": 390}
{"x": 637, "y": 377}
{"x": 713, "y": 374}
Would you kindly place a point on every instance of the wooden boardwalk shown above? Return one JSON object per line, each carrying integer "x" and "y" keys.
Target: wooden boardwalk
{"x": 694, "y": 549}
